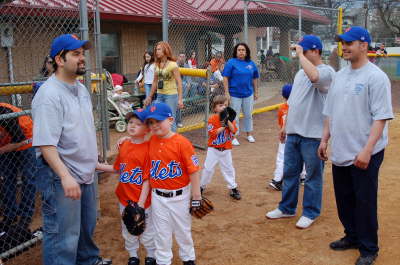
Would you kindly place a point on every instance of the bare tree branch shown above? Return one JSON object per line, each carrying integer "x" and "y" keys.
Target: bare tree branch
{"x": 388, "y": 12}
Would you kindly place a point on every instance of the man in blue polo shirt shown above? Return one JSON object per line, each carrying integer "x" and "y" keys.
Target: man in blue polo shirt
{"x": 302, "y": 132}
{"x": 64, "y": 133}
{"x": 357, "y": 108}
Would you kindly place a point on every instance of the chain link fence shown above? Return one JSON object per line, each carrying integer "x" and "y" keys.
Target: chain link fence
{"x": 20, "y": 225}
{"x": 202, "y": 40}
{"x": 269, "y": 28}
{"x": 390, "y": 65}
{"x": 26, "y": 31}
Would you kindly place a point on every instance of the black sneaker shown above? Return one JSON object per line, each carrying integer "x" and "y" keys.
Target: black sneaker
{"x": 366, "y": 260}
{"x": 276, "y": 185}
{"x": 150, "y": 261}
{"x": 343, "y": 244}
{"x": 101, "y": 261}
{"x": 302, "y": 181}
{"x": 133, "y": 261}
{"x": 234, "y": 194}
{"x": 202, "y": 190}
{"x": 189, "y": 262}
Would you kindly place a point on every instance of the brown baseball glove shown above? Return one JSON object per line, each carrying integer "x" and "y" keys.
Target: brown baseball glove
{"x": 200, "y": 208}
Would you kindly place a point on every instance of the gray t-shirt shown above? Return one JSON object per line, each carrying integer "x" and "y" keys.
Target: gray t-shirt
{"x": 62, "y": 117}
{"x": 306, "y": 103}
{"x": 356, "y": 98}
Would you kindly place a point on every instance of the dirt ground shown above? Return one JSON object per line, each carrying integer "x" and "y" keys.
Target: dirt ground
{"x": 237, "y": 232}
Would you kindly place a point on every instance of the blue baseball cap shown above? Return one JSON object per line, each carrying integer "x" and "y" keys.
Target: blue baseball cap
{"x": 355, "y": 33}
{"x": 310, "y": 42}
{"x": 286, "y": 89}
{"x": 67, "y": 42}
{"x": 140, "y": 114}
{"x": 158, "y": 111}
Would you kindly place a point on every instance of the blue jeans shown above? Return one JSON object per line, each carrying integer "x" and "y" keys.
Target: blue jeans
{"x": 178, "y": 116}
{"x": 172, "y": 102}
{"x": 299, "y": 150}
{"x": 147, "y": 89}
{"x": 246, "y": 105}
{"x": 68, "y": 225}
{"x": 186, "y": 93}
{"x": 11, "y": 164}
{"x": 186, "y": 90}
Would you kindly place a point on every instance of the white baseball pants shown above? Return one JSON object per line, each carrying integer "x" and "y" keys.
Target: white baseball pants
{"x": 278, "y": 174}
{"x": 171, "y": 216}
{"x": 147, "y": 238}
{"x": 224, "y": 158}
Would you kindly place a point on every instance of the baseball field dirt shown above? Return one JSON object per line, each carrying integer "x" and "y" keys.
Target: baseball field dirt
{"x": 237, "y": 232}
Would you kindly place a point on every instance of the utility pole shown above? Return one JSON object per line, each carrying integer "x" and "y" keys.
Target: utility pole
{"x": 366, "y": 6}
{"x": 165, "y": 20}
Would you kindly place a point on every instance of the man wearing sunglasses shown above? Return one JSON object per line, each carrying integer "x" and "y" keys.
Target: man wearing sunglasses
{"x": 357, "y": 108}
{"x": 302, "y": 132}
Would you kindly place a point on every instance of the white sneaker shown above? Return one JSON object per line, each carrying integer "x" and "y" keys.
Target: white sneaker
{"x": 251, "y": 139}
{"x": 179, "y": 125}
{"x": 235, "y": 142}
{"x": 276, "y": 214}
{"x": 304, "y": 222}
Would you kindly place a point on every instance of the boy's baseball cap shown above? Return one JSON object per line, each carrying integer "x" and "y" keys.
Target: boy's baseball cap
{"x": 309, "y": 42}
{"x": 353, "y": 34}
{"x": 67, "y": 42}
{"x": 141, "y": 114}
{"x": 286, "y": 89}
{"x": 159, "y": 111}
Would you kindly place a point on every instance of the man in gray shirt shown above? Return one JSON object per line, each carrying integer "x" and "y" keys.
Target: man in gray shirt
{"x": 303, "y": 132}
{"x": 357, "y": 108}
{"x": 65, "y": 136}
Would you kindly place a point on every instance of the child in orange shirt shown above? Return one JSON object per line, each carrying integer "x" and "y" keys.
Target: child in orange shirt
{"x": 132, "y": 164}
{"x": 276, "y": 182}
{"x": 220, "y": 148}
{"x": 174, "y": 179}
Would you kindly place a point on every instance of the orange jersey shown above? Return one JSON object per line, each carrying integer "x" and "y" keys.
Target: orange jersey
{"x": 224, "y": 138}
{"x": 24, "y": 122}
{"x": 282, "y": 113}
{"x": 215, "y": 63}
{"x": 132, "y": 165}
{"x": 172, "y": 160}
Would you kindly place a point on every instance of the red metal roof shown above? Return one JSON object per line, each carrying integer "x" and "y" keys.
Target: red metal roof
{"x": 224, "y": 7}
{"x": 129, "y": 10}
{"x": 197, "y": 12}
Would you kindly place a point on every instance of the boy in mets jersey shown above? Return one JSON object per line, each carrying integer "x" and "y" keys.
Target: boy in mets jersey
{"x": 220, "y": 148}
{"x": 174, "y": 179}
{"x": 132, "y": 164}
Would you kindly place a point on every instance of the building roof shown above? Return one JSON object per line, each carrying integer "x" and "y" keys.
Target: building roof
{"x": 128, "y": 10}
{"x": 193, "y": 12}
{"x": 179, "y": 11}
{"x": 226, "y": 7}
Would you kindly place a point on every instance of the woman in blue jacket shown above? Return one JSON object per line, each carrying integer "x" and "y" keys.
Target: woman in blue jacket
{"x": 240, "y": 83}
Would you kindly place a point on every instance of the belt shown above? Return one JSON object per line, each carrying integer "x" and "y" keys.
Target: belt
{"x": 220, "y": 148}
{"x": 169, "y": 194}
